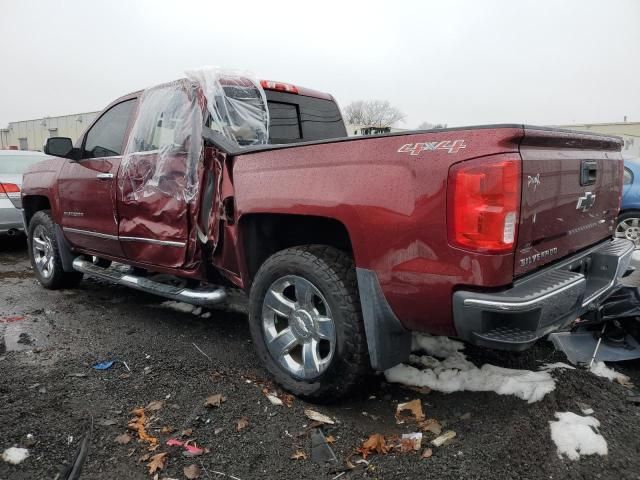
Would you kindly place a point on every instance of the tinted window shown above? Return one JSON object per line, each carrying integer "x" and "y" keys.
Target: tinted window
{"x": 628, "y": 176}
{"x": 106, "y": 137}
{"x": 284, "y": 122}
{"x": 318, "y": 119}
{"x": 17, "y": 164}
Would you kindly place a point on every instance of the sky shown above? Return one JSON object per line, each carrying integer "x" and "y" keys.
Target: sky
{"x": 459, "y": 62}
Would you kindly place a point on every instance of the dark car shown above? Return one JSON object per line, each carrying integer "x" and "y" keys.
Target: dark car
{"x": 629, "y": 218}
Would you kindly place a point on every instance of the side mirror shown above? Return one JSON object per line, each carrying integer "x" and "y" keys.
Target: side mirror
{"x": 58, "y": 146}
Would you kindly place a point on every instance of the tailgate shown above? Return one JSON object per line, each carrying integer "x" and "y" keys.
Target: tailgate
{"x": 571, "y": 189}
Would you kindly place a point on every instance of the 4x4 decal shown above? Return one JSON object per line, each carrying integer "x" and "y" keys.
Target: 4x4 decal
{"x": 451, "y": 146}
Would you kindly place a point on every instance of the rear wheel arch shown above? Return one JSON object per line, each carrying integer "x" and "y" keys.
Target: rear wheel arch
{"x": 263, "y": 234}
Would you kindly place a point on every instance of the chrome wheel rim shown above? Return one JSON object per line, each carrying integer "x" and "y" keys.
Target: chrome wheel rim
{"x": 629, "y": 229}
{"x": 298, "y": 326}
{"x": 42, "y": 251}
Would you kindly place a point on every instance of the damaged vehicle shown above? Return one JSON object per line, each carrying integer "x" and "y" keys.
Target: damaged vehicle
{"x": 497, "y": 235}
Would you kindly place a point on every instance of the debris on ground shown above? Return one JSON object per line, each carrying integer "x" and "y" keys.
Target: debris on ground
{"x": 154, "y": 406}
{"x": 318, "y": 417}
{"x": 298, "y": 455}
{"x": 190, "y": 449}
{"x": 376, "y": 443}
{"x": 442, "y": 439}
{"x": 242, "y": 424}
{"x": 138, "y": 425}
{"x": 431, "y": 425}
{"x": 556, "y": 366}
{"x": 601, "y": 370}
{"x": 321, "y": 452}
{"x": 123, "y": 439}
{"x": 414, "y": 407}
{"x": 215, "y": 400}
{"x": 426, "y": 453}
{"x": 157, "y": 463}
{"x": 192, "y": 471}
{"x": 575, "y": 435}
{"x": 452, "y": 372}
{"x": 411, "y": 441}
{"x": 15, "y": 455}
{"x": 106, "y": 365}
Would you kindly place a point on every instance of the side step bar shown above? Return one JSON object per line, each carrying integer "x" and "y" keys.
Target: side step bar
{"x": 195, "y": 297}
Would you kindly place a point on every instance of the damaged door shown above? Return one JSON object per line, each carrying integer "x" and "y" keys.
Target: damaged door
{"x": 159, "y": 178}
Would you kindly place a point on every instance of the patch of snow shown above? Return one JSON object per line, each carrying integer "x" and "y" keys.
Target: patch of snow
{"x": 601, "y": 370}
{"x": 454, "y": 373}
{"x": 15, "y": 455}
{"x": 547, "y": 367}
{"x": 575, "y": 435}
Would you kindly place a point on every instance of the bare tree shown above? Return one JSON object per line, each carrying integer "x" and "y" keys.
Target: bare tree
{"x": 373, "y": 113}
{"x": 431, "y": 126}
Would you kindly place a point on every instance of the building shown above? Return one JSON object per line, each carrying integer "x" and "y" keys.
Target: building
{"x": 33, "y": 134}
{"x": 354, "y": 130}
{"x": 629, "y": 131}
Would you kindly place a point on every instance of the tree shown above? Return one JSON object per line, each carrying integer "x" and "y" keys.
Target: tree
{"x": 431, "y": 126}
{"x": 373, "y": 113}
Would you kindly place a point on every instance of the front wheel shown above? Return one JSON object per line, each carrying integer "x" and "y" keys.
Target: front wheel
{"x": 306, "y": 322}
{"x": 45, "y": 256}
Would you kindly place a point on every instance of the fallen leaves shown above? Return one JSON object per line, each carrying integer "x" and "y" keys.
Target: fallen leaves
{"x": 442, "y": 439}
{"x": 242, "y": 424}
{"x": 192, "y": 471}
{"x": 415, "y": 409}
{"x": 374, "y": 444}
{"x": 298, "y": 455}
{"x": 427, "y": 453}
{"x": 137, "y": 424}
{"x": 215, "y": 400}
{"x": 330, "y": 439}
{"x": 157, "y": 463}
{"x": 411, "y": 441}
{"x": 154, "y": 406}
{"x": 431, "y": 425}
{"x": 123, "y": 439}
{"x": 276, "y": 398}
{"x": 318, "y": 417}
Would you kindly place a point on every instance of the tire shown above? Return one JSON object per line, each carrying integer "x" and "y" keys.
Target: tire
{"x": 628, "y": 226}
{"x": 45, "y": 255}
{"x": 340, "y": 365}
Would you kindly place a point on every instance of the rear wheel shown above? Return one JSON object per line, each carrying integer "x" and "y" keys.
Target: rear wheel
{"x": 629, "y": 227}
{"x": 306, "y": 322}
{"x": 45, "y": 256}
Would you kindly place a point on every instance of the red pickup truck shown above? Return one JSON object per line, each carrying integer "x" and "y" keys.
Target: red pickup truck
{"x": 496, "y": 234}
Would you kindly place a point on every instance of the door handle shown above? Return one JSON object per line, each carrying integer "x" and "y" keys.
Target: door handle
{"x": 105, "y": 176}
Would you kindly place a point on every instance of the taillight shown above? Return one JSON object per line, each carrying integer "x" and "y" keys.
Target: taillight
{"x": 282, "y": 87}
{"x": 483, "y": 202}
{"x": 10, "y": 189}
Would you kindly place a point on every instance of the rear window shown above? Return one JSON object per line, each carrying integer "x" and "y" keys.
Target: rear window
{"x": 297, "y": 118}
{"x": 17, "y": 164}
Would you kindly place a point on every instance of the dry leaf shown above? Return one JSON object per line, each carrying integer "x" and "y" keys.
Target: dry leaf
{"x": 274, "y": 400}
{"x": 431, "y": 425}
{"x": 330, "y": 439}
{"x": 144, "y": 457}
{"x": 423, "y": 390}
{"x": 192, "y": 471}
{"x": 158, "y": 462}
{"x": 298, "y": 455}
{"x": 318, "y": 417}
{"x": 214, "y": 400}
{"x": 427, "y": 453}
{"x": 445, "y": 437}
{"x": 374, "y": 444}
{"x": 411, "y": 441}
{"x": 287, "y": 399}
{"x": 414, "y": 406}
{"x": 167, "y": 429}
{"x": 242, "y": 423}
{"x": 187, "y": 432}
{"x": 123, "y": 439}
{"x": 155, "y": 406}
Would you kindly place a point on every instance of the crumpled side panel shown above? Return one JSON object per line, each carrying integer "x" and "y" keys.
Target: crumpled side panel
{"x": 237, "y": 104}
{"x": 163, "y": 152}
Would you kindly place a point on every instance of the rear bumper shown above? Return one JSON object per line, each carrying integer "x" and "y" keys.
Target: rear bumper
{"x": 513, "y": 319}
{"x": 10, "y": 220}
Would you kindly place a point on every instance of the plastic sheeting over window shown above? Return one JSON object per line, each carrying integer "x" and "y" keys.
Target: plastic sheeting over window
{"x": 237, "y": 104}
{"x": 163, "y": 155}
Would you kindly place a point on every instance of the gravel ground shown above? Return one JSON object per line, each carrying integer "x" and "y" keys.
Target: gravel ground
{"x": 49, "y": 390}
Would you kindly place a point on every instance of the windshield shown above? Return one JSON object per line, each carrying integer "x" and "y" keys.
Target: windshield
{"x": 18, "y": 163}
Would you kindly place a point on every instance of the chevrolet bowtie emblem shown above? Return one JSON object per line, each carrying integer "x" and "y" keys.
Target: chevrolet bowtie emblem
{"x": 586, "y": 201}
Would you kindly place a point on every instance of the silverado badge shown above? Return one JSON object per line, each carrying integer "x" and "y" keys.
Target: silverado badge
{"x": 586, "y": 201}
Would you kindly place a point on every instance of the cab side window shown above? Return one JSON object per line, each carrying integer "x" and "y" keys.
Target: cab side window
{"x": 106, "y": 137}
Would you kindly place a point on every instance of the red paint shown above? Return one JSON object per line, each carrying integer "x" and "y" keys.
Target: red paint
{"x": 389, "y": 192}
{"x": 17, "y": 318}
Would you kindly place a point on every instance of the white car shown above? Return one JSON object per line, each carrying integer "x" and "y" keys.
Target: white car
{"x": 13, "y": 163}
